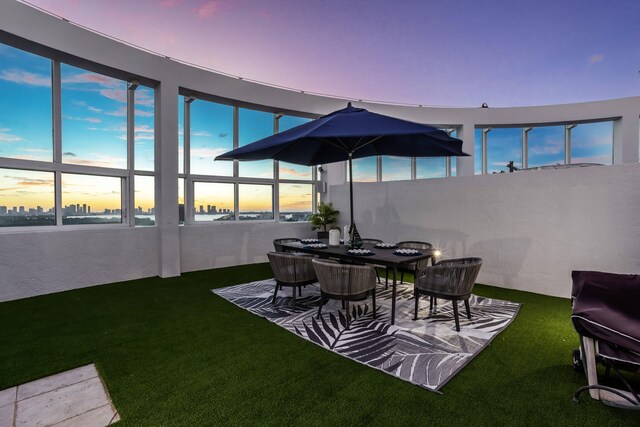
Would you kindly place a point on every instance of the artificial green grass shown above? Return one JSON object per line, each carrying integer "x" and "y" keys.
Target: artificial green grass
{"x": 173, "y": 353}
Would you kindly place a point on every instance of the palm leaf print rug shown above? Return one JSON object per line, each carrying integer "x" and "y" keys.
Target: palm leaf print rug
{"x": 427, "y": 352}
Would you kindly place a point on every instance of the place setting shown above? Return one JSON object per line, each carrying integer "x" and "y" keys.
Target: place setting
{"x": 407, "y": 252}
{"x": 382, "y": 245}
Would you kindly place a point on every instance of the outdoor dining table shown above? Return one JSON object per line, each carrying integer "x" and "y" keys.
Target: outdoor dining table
{"x": 385, "y": 257}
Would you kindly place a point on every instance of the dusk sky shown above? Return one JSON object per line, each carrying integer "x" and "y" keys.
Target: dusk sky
{"x": 454, "y": 53}
{"x": 462, "y": 53}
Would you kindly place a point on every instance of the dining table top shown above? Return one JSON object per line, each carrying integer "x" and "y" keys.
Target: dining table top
{"x": 380, "y": 256}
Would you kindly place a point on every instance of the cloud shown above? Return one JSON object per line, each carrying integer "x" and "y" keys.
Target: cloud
{"x": 201, "y": 133}
{"x": 596, "y": 58}
{"x": 551, "y": 145}
{"x": 5, "y": 136}
{"x": 120, "y": 112}
{"x": 207, "y": 152}
{"x": 110, "y": 129}
{"x": 24, "y": 77}
{"x": 83, "y": 119}
{"x": 69, "y": 154}
{"x": 99, "y": 160}
{"x": 119, "y": 95}
{"x": 143, "y": 113}
{"x": 207, "y": 9}
{"x": 94, "y": 109}
{"x": 293, "y": 172}
{"x": 36, "y": 150}
{"x": 144, "y": 97}
{"x": 144, "y": 128}
{"x": 92, "y": 78}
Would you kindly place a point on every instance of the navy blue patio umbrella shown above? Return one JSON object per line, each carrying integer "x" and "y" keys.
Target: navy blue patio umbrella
{"x": 350, "y": 133}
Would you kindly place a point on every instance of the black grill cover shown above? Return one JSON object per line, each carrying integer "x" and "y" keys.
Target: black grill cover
{"x": 606, "y": 306}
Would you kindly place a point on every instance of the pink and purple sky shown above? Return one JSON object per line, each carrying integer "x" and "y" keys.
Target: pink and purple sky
{"x": 429, "y": 52}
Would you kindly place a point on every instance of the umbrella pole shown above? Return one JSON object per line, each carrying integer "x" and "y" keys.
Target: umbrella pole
{"x": 350, "y": 192}
{"x": 355, "y": 241}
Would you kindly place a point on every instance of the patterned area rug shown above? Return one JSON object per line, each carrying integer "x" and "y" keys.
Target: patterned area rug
{"x": 427, "y": 352}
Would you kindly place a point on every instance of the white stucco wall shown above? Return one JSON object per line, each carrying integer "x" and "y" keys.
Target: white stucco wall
{"x": 45, "y": 261}
{"x": 512, "y": 221}
{"x": 531, "y": 228}
{"x": 223, "y": 245}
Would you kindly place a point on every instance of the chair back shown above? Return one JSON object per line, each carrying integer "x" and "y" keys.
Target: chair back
{"x": 344, "y": 279}
{"x": 414, "y": 244}
{"x": 451, "y": 277}
{"x": 290, "y": 268}
{"x": 277, "y": 243}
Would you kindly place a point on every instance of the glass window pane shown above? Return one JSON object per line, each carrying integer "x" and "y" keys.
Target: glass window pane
{"x": 144, "y": 129}
{"x": 592, "y": 143}
{"x": 431, "y": 167}
{"x": 26, "y": 198}
{"x": 211, "y": 135}
{"x": 504, "y": 145}
{"x": 89, "y": 199}
{"x": 290, "y": 170}
{"x": 256, "y": 202}
{"x": 213, "y": 201}
{"x": 546, "y": 146}
{"x": 181, "y": 200}
{"x": 296, "y": 202}
{"x": 254, "y": 125}
{"x": 25, "y": 105}
{"x": 94, "y": 119}
{"x": 145, "y": 200}
{"x": 395, "y": 168}
{"x": 181, "y": 134}
{"x": 477, "y": 151}
{"x": 364, "y": 170}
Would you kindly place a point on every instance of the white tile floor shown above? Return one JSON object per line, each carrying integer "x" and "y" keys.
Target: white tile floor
{"x": 72, "y": 398}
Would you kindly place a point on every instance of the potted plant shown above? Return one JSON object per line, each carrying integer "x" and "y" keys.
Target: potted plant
{"x": 325, "y": 216}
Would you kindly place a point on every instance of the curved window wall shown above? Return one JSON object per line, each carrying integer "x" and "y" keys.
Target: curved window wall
{"x": 223, "y": 191}
{"x": 76, "y": 146}
{"x": 539, "y": 146}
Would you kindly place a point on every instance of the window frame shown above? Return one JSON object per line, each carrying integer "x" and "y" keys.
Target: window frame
{"x": 187, "y": 97}
{"x": 58, "y": 167}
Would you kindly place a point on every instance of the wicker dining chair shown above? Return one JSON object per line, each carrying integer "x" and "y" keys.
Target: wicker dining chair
{"x": 277, "y": 243}
{"x": 345, "y": 282}
{"x": 291, "y": 270}
{"x": 451, "y": 279}
{"x": 414, "y": 266}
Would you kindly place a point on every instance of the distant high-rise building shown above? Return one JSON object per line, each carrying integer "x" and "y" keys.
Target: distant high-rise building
{"x": 201, "y": 211}
{"x": 84, "y": 208}
{"x": 39, "y": 209}
{"x": 214, "y": 209}
{"x": 21, "y": 211}
{"x": 3, "y": 210}
{"x": 88, "y": 209}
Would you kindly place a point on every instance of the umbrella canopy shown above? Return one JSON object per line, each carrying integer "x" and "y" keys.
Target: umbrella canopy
{"x": 350, "y": 133}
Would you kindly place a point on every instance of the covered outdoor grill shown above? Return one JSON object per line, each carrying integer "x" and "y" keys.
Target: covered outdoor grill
{"x": 606, "y": 314}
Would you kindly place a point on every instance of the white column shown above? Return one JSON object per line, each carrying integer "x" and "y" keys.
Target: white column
{"x": 625, "y": 138}
{"x": 466, "y": 133}
{"x": 166, "y": 165}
